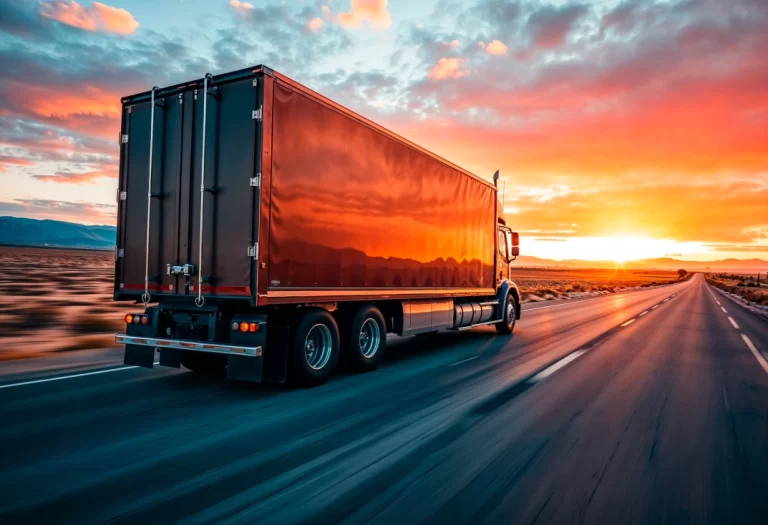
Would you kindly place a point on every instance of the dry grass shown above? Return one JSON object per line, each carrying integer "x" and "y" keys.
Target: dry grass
{"x": 538, "y": 284}
{"x": 741, "y": 285}
{"x": 53, "y": 300}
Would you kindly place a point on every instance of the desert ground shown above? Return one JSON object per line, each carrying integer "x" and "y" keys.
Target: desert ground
{"x": 55, "y": 300}
{"x": 745, "y": 286}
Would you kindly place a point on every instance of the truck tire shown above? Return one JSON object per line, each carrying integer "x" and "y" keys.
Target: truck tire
{"x": 507, "y": 325}
{"x": 365, "y": 339}
{"x": 204, "y": 363}
{"x": 315, "y": 351}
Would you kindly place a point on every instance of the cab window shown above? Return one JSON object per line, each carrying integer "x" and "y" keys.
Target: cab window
{"x": 503, "y": 248}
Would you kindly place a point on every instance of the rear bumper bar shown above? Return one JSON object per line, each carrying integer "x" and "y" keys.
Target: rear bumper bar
{"x": 214, "y": 348}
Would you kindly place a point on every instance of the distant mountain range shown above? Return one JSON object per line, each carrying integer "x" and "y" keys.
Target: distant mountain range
{"x": 661, "y": 263}
{"x": 32, "y": 232}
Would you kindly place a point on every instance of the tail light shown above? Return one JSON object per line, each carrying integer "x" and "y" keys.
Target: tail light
{"x": 245, "y": 326}
{"x": 128, "y": 318}
{"x": 144, "y": 319}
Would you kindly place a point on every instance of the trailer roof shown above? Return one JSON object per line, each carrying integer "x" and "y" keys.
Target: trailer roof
{"x": 255, "y": 70}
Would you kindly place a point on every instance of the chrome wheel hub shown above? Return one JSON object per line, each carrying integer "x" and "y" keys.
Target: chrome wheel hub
{"x": 317, "y": 346}
{"x": 370, "y": 337}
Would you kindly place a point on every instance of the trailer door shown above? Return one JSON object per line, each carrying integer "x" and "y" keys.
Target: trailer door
{"x": 228, "y": 218}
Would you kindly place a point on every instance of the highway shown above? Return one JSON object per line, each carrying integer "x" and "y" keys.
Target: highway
{"x": 642, "y": 407}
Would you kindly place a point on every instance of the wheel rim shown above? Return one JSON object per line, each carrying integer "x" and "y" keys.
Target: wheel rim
{"x": 370, "y": 335}
{"x": 510, "y": 311}
{"x": 317, "y": 346}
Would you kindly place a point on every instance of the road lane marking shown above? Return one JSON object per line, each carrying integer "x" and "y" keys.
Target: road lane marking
{"x": 71, "y": 376}
{"x": 718, "y": 302}
{"x": 642, "y": 314}
{"x": 758, "y": 355}
{"x": 733, "y": 323}
{"x": 569, "y": 302}
{"x": 665, "y": 300}
{"x": 724, "y": 310}
{"x": 464, "y": 360}
{"x": 563, "y": 304}
{"x": 656, "y": 306}
{"x": 557, "y": 366}
{"x": 628, "y": 322}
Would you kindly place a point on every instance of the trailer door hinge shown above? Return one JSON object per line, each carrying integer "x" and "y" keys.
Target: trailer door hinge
{"x": 255, "y": 82}
{"x": 124, "y": 139}
{"x": 120, "y": 253}
{"x": 256, "y": 114}
{"x": 256, "y": 181}
{"x": 253, "y": 251}
{"x": 123, "y": 195}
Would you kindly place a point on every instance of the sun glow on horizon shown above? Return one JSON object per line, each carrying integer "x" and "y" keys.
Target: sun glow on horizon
{"x": 620, "y": 249}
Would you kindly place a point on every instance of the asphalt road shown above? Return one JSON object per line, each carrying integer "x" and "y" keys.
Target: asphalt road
{"x": 643, "y": 407}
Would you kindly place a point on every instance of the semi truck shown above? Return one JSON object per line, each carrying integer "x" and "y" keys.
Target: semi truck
{"x": 272, "y": 234}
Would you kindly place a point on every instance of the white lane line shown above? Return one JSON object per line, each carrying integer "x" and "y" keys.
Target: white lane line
{"x": 557, "y": 366}
{"x": 70, "y": 377}
{"x": 724, "y": 310}
{"x": 628, "y": 322}
{"x": 665, "y": 300}
{"x": 570, "y": 302}
{"x": 561, "y": 304}
{"x": 642, "y": 314}
{"x": 733, "y": 323}
{"x": 464, "y": 360}
{"x": 656, "y": 306}
{"x": 758, "y": 355}
{"x": 718, "y": 302}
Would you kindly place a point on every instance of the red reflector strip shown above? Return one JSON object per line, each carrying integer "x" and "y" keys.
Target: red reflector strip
{"x": 188, "y": 345}
{"x": 163, "y": 343}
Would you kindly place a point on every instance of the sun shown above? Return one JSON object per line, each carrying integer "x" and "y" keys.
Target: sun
{"x": 622, "y": 249}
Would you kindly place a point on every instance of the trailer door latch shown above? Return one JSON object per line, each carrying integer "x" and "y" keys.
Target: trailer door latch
{"x": 124, "y": 139}
{"x": 253, "y": 251}
{"x": 256, "y": 181}
{"x": 256, "y": 114}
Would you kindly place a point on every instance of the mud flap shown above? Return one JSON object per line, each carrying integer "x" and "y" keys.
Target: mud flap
{"x": 170, "y": 357}
{"x": 244, "y": 368}
{"x": 276, "y": 354}
{"x": 139, "y": 355}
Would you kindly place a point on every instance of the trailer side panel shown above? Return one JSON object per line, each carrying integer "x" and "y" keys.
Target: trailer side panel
{"x": 353, "y": 208}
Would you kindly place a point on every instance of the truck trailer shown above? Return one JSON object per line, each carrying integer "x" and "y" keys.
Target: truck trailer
{"x": 271, "y": 233}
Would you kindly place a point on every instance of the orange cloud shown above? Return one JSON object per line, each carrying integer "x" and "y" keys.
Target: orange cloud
{"x": 315, "y": 24}
{"x": 89, "y": 177}
{"x": 97, "y": 17}
{"x": 236, "y": 4}
{"x": 86, "y": 109}
{"x": 373, "y": 11}
{"x": 447, "y": 68}
{"x": 497, "y": 47}
{"x": 8, "y": 160}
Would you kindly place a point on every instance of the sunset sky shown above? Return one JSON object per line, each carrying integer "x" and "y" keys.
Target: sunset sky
{"x": 621, "y": 129}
